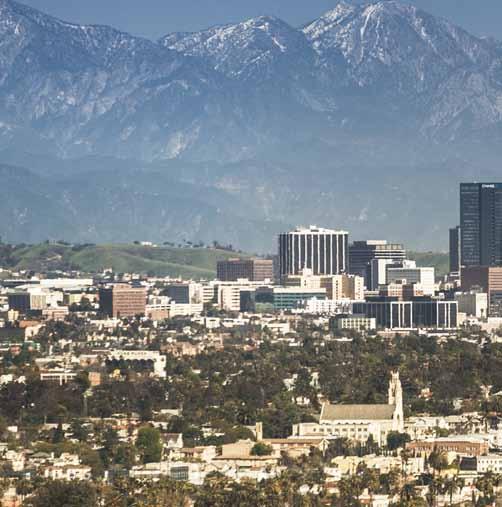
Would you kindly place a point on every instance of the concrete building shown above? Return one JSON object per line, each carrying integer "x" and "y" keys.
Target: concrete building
{"x": 255, "y": 270}
{"x": 358, "y": 422}
{"x": 338, "y": 287}
{"x": 489, "y": 463}
{"x": 185, "y": 293}
{"x": 461, "y": 445}
{"x": 229, "y": 297}
{"x": 60, "y": 376}
{"x": 324, "y": 251}
{"x": 402, "y": 290}
{"x": 291, "y": 298}
{"x": 122, "y": 300}
{"x": 33, "y": 298}
{"x": 327, "y": 306}
{"x": 362, "y": 253}
{"x": 411, "y": 274}
{"x": 377, "y": 273}
{"x": 421, "y": 313}
{"x": 485, "y": 279}
{"x": 473, "y": 304}
{"x": 355, "y": 322}
{"x": 346, "y": 287}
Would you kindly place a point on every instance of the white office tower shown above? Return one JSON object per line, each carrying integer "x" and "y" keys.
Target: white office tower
{"x": 323, "y": 251}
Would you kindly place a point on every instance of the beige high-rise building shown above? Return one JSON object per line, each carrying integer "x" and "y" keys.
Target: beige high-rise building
{"x": 345, "y": 287}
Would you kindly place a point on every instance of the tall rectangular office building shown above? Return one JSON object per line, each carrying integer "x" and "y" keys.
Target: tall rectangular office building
{"x": 481, "y": 224}
{"x": 455, "y": 250}
{"x": 324, "y": 251}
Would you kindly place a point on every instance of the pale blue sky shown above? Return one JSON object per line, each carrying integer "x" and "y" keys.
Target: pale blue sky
{"x": 153, "y": 18}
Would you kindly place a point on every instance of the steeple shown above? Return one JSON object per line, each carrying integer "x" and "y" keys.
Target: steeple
{"x": 396, "y": 399}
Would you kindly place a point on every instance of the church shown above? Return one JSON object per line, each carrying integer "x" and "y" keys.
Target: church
{"x": 358, "y": 422}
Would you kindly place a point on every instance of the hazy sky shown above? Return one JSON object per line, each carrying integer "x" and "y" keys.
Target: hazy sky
{"x": 153, "y": 18}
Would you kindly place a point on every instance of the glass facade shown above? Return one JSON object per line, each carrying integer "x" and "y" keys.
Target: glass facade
{"x": 455, "y": 250}
{"x": 481, "y": 224}
{"x": 393, "y": 314}
{"x": 291, "y": 300}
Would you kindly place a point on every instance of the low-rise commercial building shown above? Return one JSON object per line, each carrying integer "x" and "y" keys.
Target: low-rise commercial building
{"x": 291, "y": 298}
{"x": 485, "y": 279}
{"x": 355, "y": 322}
{"x": 425, "y": 313}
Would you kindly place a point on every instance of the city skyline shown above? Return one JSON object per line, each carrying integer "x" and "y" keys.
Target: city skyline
{"x": 174, "y": 330}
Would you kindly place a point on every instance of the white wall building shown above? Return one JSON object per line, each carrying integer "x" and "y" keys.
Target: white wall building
{"x": 358, "y": 422}
{"x": 424, "y": 276}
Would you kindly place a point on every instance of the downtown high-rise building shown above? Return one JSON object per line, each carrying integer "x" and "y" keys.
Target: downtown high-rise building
{"x": 323, "y": 251}
{"x": 481, "y": 224}
{"x": 455, "y": 249}
{"x": 364, "y": 255}
{"x": 254, "y": 270}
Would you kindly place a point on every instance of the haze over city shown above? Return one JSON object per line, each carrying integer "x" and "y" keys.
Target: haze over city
{"x": 250, "y": 253}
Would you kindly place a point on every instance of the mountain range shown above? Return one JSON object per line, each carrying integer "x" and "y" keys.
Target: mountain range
{"x": 364, "y": 119}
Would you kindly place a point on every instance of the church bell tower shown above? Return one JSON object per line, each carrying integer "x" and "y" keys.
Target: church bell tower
{"x": 396, "y": 399}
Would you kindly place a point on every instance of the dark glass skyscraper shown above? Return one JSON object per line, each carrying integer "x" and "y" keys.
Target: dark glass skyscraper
{"x": 455, "y": 250}
{"x": 481, "y": 224}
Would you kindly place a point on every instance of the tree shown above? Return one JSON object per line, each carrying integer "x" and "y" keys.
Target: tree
{"x": 63, "y": 494}
{"x": 149, "y": 444}
{"x": 396, "y": 440}
{"x": 351, "y": 489}
{"x": 165, "y": 493}
{"x": 261, "y": 449}
{"x": 78, "y": 431}
{"x": 58, "y": 434}
{"x": 438, "y": 461}
{"x": 486, "y": 484}
{"x": 451, "y": 485}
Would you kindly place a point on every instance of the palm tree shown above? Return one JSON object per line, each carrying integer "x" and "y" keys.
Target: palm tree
{"x": 438, "y": 461}
{"x": 408, "y": 493}
{"x": 451, "y": 485}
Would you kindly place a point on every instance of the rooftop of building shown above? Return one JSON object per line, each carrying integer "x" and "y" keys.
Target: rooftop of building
{"x": 313, "y": 229}
{"x": 356, "y": 412}
{"x": 377, "y": 243}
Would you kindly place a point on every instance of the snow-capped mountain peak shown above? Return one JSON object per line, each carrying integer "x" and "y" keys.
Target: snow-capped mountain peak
{"x": 230, "y": 90}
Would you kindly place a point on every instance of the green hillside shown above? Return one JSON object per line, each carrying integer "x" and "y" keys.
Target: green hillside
{"x": 161, "y": 261}
{"x": 440, "y": 261}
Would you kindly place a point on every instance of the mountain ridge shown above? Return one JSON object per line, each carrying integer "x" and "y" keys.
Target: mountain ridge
{"x": 258, "y": 121}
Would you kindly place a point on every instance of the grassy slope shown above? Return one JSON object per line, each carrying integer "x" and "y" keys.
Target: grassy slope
{"x": 162, "y": 261}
